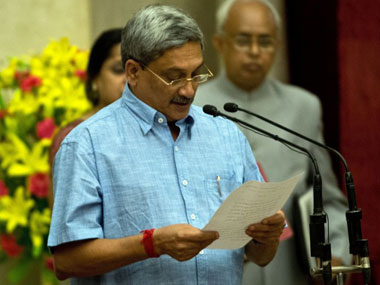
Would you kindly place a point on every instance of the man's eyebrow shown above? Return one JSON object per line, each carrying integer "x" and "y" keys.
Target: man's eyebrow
{"x": 243, "y": 34}
{"x": 180, "y": 70}
{"x": 261, "y": 35}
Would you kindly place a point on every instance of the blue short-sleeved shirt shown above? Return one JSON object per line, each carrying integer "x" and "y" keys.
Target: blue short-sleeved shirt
{"x": 121, "y": 172}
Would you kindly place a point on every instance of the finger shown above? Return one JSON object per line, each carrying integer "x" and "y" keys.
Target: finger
{"x": 265, "y": 228}
{"x": 266, "y": 231}
{"x": 267, "y": 241}
{"x": 276, "y": 218}
{"x": 208, "y": 236}
{"x": 197, "y": 236}
{"x": 265, "y": 234}
{"x": 257, "y": 236}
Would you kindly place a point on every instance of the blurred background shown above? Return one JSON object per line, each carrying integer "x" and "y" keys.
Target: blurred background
{"x": 331, "y": 48}
{"x": 29, "y": 25}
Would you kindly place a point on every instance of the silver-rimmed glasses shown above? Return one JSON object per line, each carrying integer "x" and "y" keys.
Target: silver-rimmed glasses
{"x": 244, "y": 43}
{"x": 197, "y": 79}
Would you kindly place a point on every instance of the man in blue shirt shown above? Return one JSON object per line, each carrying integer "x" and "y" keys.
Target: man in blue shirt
{"x": 139, "y": 179}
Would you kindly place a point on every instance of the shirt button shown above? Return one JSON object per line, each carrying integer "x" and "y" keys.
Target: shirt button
{"x": 202, "y": 252}
{"x": 160, "y": 120}
{"x": 184, "y": 182}
{"x": 176, "y": 148}
{"x": 192, "y": 216}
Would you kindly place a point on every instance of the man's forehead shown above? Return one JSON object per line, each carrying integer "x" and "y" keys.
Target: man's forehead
{"x": 180, "y": 58}
{"x": 250, "y": 17}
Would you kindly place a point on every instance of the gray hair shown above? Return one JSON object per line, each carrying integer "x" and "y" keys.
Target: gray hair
{"x": 224, "y": 8}
{"x": 155, "y": 29}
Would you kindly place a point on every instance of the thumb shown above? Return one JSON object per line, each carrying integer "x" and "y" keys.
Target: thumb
{"x": 213, "y": 235}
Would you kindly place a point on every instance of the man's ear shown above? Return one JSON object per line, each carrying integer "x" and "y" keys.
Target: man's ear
{"x": 132, "y": 72}
{"x": 218, "y": 42}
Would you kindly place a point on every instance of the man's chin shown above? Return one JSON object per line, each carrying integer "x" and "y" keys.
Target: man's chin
{"x": 249, "y": 84}
{"x": 179, "y": 113}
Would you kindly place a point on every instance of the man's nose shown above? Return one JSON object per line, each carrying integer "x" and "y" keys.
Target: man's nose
{"x": 188, "y": 90}
{"x": 254, "y": 49}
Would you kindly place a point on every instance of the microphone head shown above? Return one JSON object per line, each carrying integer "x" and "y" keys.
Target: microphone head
{"x": 211, "y": 110}
{"x": 231, "y": 107}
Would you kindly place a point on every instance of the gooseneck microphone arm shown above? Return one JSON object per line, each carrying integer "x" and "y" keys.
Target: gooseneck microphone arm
{"x": 358, "y": 245}
{"x": 319, "y": 248}
{"x": 232, "y": 107}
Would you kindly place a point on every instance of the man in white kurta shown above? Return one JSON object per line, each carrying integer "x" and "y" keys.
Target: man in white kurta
{"x": 246, "y": 41}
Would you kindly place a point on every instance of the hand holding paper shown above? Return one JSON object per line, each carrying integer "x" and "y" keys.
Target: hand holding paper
{"x": 246, "y": 205}
{"x": 268, "y": 232}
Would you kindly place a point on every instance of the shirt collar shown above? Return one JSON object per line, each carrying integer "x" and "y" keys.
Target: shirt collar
{"x": 148, "y": 116}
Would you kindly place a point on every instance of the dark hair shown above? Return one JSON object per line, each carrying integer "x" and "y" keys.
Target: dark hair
{"x": 100, "y": 51}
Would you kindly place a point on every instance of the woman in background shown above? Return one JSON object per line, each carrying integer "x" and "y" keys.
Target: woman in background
{"x": 105, "y": 83}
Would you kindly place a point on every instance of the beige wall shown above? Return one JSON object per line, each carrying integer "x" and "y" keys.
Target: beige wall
{"x": 280, "y": 66}
{"x": 107, "y": 14}
{"x": 27, "y": 26}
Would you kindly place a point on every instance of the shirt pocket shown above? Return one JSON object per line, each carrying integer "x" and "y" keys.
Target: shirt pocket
{"x": 218, "y": 189}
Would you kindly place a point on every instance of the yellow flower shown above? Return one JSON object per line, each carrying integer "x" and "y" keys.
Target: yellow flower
{"x": 22, "y": 161}
{"x": 59, "y": 54}
{"x": 7, "y": 74}
{"x": 39, "y": 227}
{"x": 60, "y": 95}
{"x": 23, "y": 103}
{"x": 15, "y": 210}
{"x": 81, "y": 60}
{"x": 8, "y": 154}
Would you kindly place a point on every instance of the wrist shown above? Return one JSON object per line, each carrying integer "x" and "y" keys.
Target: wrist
{"x": 147, "y": 241}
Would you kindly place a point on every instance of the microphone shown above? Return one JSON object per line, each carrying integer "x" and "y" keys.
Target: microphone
{"x": 319, "y": 248}
{"x": 358, "y": 245}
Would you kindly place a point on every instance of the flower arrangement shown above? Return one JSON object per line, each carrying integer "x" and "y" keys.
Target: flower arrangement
{"x": 38, "y": 95}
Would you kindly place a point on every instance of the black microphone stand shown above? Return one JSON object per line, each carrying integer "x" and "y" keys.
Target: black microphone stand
{"x": 319, "y": 248}
{"x": 358, "y": 245}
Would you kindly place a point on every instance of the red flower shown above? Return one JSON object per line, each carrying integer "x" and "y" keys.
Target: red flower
{"x": 81, "y": 74}
{"x": 9, "y": 245}
{"x": 29, "y": 82}
{"x": 49, "y": 263}
{"x": 3, "y": 189}
{"x": 46, "y": 128}
{"x": 38, "y": 184}
{"x": 21, "y": 75}
{"x": 3, "y": 113}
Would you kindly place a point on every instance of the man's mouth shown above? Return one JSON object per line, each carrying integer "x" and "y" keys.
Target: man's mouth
{"x": 181, "y": 100}
{"x": 252, "y": 67}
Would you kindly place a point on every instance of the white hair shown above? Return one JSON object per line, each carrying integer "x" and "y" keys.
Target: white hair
{"x": 155, "y": 29}
{"x": 224, "y": 8}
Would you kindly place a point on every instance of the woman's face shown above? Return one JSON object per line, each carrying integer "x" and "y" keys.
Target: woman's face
{"x": 111, "y": 79}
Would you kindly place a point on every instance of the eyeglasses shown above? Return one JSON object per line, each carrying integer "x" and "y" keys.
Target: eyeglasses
{"x": 197, "y": 79}
{"x": 245, "y": 43}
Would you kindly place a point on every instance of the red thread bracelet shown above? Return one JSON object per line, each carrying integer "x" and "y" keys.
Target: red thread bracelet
{"x": 147, "y": 240}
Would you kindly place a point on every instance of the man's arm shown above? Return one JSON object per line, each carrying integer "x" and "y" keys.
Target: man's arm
{"x": 262, "y": 249}
{"x": 98, "y": 256}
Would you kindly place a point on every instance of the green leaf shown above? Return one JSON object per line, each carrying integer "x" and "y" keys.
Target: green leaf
{"x": 20, "y": 271}
{"x": 2, "y": 104}
{"x": 48, "y": 277}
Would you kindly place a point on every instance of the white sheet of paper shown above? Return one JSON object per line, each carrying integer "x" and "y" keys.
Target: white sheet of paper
{"x": 248, "y": 204}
